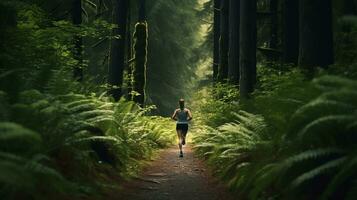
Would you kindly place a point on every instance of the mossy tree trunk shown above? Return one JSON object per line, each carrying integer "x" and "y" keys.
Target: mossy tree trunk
{"x": 290, "y": 31}
{"x": 233, "y": 54}
{"x": 77, "y": 48}
{"x": 140, "y": 51}
{"x": 316, "y": 40}
{"x": 248, "y": 46}
{"x": 223, "y": 42}
{"x": 216, "y": 36}
{"x": 117, "y": 50}
{"x": 129, "y": 55}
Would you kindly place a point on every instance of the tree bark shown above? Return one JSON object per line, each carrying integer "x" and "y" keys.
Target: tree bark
{"x": 248, "y": 45}
{"x": 349, "y": 7}
{"x": 274, "y": 24}
{"x": 316, "y": 40}
{"x": 291, "y": 31}
{"x": 224, "y": 39}
{"x": 140, "y": 50}
{"x": 216, "y": 36}
{"x": 129, "y": 50}
{"x": 117, "y": 52}
{"x": 233, "y": 55}
{"x": 77, "y": 51}
{"x": 142, "y": 11}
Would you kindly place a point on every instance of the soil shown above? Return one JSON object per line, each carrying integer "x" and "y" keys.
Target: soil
{"x": 169, "y": 178}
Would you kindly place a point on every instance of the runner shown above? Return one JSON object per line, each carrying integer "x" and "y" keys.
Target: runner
{"x": 182, "y": 116}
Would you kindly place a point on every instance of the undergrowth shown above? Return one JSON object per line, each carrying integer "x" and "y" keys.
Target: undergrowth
{"x": 59, "y": 138}
{"x": 54, "y": 142}
{"x": 294, "y": 139}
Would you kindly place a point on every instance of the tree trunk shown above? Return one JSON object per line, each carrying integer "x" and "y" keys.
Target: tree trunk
{"x": 273, "y": 43}
{"x": 316, "y": 42}
{"x": 291, "y": 31}
{"x": 349, "y": 7}
{"x": 140, "y": 50}
{"x": 248, "y": 45}
{"x": 77, "y": 51}
{"x": 233, "y": 55}
{"x": 117, "y": 52}
{"x": 129, "y": 50}
{"x": 142, "y": 11}
{"x": 224, "y": 39}
{"x": 216, "y": 35}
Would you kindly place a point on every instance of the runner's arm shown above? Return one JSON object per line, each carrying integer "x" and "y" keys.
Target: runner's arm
{"x": 189, "y": 115}
{"x": 174, "y": 115}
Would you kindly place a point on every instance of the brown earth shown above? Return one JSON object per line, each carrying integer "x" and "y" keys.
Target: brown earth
{"x": 169, "y": 178}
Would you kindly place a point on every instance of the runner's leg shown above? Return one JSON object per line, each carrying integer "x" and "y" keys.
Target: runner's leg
{"x": 183, "y": 138}
{"x": 179, "y": 135}
{"x": 184, "y": 133}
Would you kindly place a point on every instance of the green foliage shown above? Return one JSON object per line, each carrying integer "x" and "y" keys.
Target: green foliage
{"x": 94, "y": 129}
{"x": 37, "y": 52}
{"x": 60, "y": 138}
{"x": 214, "y": 104}
{"x": 301, "y": 145}
{"x": 236, "y": 148}
{"x": 23, "y": 167}
{"x": 329, "y": 122}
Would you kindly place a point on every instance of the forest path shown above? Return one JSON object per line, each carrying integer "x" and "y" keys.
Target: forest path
{"x": 169, "y": 178}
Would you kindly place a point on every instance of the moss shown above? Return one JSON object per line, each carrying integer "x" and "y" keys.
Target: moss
{"x": 139, "y": 69}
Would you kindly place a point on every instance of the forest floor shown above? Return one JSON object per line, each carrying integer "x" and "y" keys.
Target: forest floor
{"x": 169, "y": 177}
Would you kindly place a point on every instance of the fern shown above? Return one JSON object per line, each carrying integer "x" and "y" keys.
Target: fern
{"x": 309, "y": 154}
{"x": 318, "y": 171}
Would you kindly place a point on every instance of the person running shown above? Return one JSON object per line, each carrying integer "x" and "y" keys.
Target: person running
{"x": 182, "y": 116}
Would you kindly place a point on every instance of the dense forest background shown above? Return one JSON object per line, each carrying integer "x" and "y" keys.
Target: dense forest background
{"x": 86, "y": 87}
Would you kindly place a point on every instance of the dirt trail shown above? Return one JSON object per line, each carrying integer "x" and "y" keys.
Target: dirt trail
{"x": 170, "y": 177}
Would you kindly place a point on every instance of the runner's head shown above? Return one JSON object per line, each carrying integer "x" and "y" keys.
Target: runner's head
{"x": 182, "y": 103}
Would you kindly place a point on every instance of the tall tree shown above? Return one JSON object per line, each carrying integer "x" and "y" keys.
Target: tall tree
{"x": 140, "y": 50}
{"x": 117, "y": 51}
{"x": 316, "y": 42}
{"x": 273, "y": 7}
{"x": 233, "y": 54}
{"x": 223, "y": 42}
{"x": 248, "y": 45}
{"x": 291, "y": 31}
{"x": 349, "y": 7}
{"x": 129, "y": 55}
{"x": 216, "y": 36}
{"x": 77, "y": 51}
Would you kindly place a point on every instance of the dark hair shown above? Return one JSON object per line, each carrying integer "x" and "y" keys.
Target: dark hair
{"x": 182, "y": 103}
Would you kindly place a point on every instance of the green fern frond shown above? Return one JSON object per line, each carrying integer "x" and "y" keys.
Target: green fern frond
{"x": 82, "y": 107}
{"x": 346, "y": 96}
{"x": 318, "y": 171}
{"x": 348, "y": 170}
{"x": 116, "y": 140}
{"x": 316, "y": 109}
{"x": 14, "y": 137}
{"x": 311, "y": 155}
{"x": 328, "y": 83}
{"x": 321, "y": 128}
{"x": 95, "y": 113}
{"x": 72, "y": 104}
{"x": 11, "y": 130}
